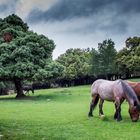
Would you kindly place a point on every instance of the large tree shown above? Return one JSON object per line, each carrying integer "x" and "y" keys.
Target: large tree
{"x": 103, "y": 60}
{"x": 23, "y": 53}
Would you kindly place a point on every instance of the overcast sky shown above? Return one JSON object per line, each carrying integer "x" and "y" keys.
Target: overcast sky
{"x": 78, "y": 23}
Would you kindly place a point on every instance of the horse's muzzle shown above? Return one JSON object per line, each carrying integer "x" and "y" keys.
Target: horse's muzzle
{"x": 134, "y": 120}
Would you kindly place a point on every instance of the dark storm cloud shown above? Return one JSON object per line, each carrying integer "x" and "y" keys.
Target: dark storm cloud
{"x": 78, "y": 23}
{"x": 111, "y": 16}
{"x": 116, "y": 26}
{"x": 83, "y": 8}
{"x": 68, "y": 9}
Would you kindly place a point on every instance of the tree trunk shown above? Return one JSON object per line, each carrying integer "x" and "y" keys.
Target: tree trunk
{"x": 19, "y": 90}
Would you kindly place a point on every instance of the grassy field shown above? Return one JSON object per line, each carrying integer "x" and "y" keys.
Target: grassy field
{"x": 61, "y": 114}
{"x": 135, "y": 80}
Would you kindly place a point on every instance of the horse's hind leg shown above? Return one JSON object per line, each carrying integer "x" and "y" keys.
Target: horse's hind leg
{"x": 101, "y": 113}
{"x": 93, "y": 104}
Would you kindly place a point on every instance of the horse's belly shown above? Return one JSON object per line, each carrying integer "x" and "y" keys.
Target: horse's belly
{"x": 108, "y": 97}
{"x": 106, "y": 93}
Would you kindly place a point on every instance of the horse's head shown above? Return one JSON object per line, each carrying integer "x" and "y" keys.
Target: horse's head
{"x": 134, "y": 114}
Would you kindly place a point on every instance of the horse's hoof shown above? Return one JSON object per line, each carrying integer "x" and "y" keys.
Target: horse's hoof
{"x": 102, "y": 116}
{"x": 118, "y": 120}
{"x": 134, "y": 120}
{"x": 90, "y": 115}
{"x": 115, "y": 118}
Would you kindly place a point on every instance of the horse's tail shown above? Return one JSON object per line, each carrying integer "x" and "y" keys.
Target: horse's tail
{"x": 94, "y": 93}
{"x": 130, "y": 94}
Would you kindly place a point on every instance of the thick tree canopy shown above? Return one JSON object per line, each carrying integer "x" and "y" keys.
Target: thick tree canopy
{"x": 25, "y": 54}
{"x": 75, "y": 62}
{"x": 103, "y": 60}
{"x": 128, "y": 59}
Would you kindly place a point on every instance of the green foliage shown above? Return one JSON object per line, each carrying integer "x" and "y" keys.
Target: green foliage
{"x": 16, "y": 22}
{"x": 75, "y": 62}
{"x": 53, "y": 70}
{"x": 128, "y": 59}
{"x": 103, "y": 60}
{"x": 27, "y": 55}
{"x": 131, "y": 43}
{"x": 2, "y": 85}
{"x": 95, "y": 62}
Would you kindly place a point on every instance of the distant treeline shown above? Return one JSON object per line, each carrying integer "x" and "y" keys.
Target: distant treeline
{"x": 83, "y": 66}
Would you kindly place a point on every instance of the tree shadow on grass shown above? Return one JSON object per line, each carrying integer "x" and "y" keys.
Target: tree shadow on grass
{"x": 7, "y": 98}
{"x": 56, "y": 95}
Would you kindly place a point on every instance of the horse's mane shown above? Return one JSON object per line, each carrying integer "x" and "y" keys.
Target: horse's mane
{"x": 129, "y": 91}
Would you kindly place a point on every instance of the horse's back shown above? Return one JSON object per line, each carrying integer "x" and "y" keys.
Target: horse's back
{"x": 103, "y": 88}
{"x": 118, "y": 88}
{"x": 107, "y": 89}
{"x": 96, "y": 84}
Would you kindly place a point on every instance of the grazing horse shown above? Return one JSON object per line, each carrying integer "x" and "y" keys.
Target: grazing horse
{"x": 28, "y": 88}
{"x": 115, "y": 91}
{"x": 136, "y": 87}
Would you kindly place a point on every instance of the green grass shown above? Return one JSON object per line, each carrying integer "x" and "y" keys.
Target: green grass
{"x": 61, "y": 114}
{"x": 135, "y": 80}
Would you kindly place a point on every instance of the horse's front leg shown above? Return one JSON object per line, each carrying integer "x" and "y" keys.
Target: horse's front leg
{"x": 118, "y": 103}
{"x": 101, "y": 113}
{"x": 93, "y": 104}
{"x": 117, "y": 115}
